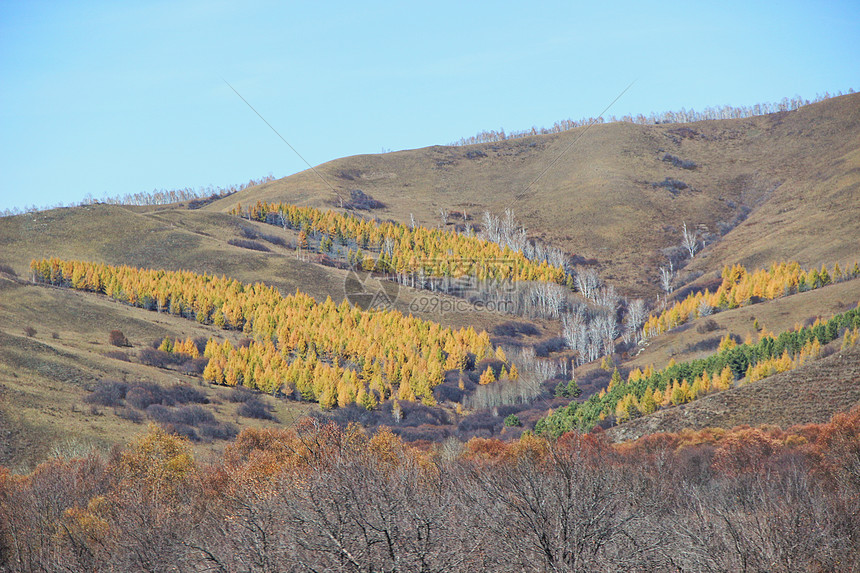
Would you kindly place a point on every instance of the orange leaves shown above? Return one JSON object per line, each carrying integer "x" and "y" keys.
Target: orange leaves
{"x": 738, "y": 288}
{"x": 161, "y": 462}
{"x": 487, "y": 377}
{"x": 336, "y": 354}
{"x": 436, "y": 252}
{"x": 744, "y": 450}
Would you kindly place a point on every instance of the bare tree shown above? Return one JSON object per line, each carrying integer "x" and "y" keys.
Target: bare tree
{"x": 575, "y": 330}
{"x": 636, "y": 315}
{"x": 690, "y": 241}
{"x": 587, "y": 282}
{"x": 443, "y": 216}
{"x": 667, "y": 275}
{"x": 606, "y": 330}
{"x": 606, "y": 297}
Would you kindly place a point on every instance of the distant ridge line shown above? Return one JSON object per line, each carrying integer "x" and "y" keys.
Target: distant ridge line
{"x": 682, "y": 116}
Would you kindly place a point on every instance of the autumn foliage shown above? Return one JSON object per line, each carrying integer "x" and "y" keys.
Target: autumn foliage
{"x": 401, "y": 249}
{"x": 740, "y": 287}
{"x": 333, "y": 354}
{"x": 647, "y": 391}
{"x": 329, "y": 498}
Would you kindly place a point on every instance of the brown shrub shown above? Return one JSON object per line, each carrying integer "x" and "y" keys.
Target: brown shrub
{"x": 117, "y": 338}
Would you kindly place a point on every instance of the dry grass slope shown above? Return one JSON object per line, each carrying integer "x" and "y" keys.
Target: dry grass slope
{"x": 43, "y": 378}
{"x": 809, "y": 394}
{"x": 798, "y": 171}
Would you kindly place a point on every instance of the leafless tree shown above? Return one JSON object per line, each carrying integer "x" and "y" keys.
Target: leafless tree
{"x": 587, "y": 282}
{"x": 690, "y": 241}
{"x": 606, "y": 329}
{"x": 548, "y": 298}
{"x": 606, "y": 297}
{"x": 667, "y": 275}
{"x": 575, "y": 329}
{"x": 567, "y": 514}
{"x": 443, "y": 216}
{"x": 636, "y": 315}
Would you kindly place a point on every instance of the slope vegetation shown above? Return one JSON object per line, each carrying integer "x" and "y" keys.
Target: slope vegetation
{"x": 809, "y": 394}
{"x": 617, "y": 194}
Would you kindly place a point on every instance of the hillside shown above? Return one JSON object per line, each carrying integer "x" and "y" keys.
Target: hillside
{"x": 797, "y": 173}
{"x": 779, "y": 187}
{"x": 175, "y": 238}
{"x": 809, "y": 394}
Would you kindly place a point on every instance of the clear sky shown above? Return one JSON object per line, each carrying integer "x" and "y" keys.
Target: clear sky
{"x": 122, "y": 97}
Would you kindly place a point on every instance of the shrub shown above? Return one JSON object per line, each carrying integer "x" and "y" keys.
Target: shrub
{"x": 708, "y": 344}
{"x": 360, "y": 200}
{"x": 159, "y": 358}
{"x": 159, "y": 413}
{"x": 418, "y": 414}
{"x": 544, "y": 348}
{"x": 274, "y": 239}
{"x": 253, "y": 408}
{"x": 678, "y": 162}
{"x": 515, "y": 328}
{"x": 108, "y": 393}
{"x": 182, "y": 394}
{"x": 118, "y": 355}
{"x": 7, "y": 270}
{"x": 29, "y": 331}
{"x": 248, "y": 232}
{"x": 447, "y": 393}
{"x": 192, "y": 416}
{"x": 195, "y": 365}
{"x": 216, "y": 431}
{"x": 142, "y": 396}
{"x": 426, "y": 433}
{"x": 248, "y": 244}
{"x": 129, "y": 414}
{"x": 181, "y": 430}
{"x": 117, "y": 338}
{"x": 674, "y": 186}
{"x": 513, "y": 421}
{"x": 478, "y": 421}
{"x": 709, "y": 325}
{"x": 240, "y": 394}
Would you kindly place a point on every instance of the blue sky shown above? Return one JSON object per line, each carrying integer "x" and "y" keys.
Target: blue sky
{"x": 115, "y": 97}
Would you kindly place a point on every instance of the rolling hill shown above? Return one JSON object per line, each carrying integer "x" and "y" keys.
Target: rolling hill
{"x": 779, "y": 187}
{"x": 602, "y": 192}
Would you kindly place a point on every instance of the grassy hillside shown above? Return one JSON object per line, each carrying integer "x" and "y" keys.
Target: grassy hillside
{"x": 45, "y": 377}
{"x": 697, "y": 340}
{"x": 795, "y": 174}
{"x": 798, "y": 172}
{"x": 175, "y": 238}
{"x": 809, "y": 394}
